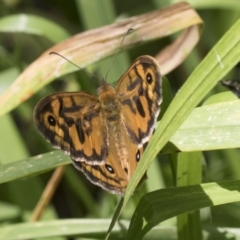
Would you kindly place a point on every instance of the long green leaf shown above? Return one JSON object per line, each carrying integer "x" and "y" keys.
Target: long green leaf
{"x": 31, "y": 24}
{"x": 189, "y": 172}
{"x": 160, "y": 205}
{"x": 32, "y": 166}
{"x": 91, "y": 228}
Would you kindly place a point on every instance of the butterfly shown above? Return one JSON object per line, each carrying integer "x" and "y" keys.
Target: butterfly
{"x": 105, "y": 135}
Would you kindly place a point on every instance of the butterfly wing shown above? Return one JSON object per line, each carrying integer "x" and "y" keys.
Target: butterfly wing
{"x": 104, "y": 176}
{"x": 140, "y": 93}
{"x": 73, "y": 123}
{"x": 112, "y": 176}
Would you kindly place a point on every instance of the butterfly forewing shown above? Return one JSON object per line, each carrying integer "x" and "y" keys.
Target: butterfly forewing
{"x": 139, "y": 90}
{"x": 72, "y": 122}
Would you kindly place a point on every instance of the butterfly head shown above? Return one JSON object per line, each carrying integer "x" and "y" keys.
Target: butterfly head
{"x": 105, "y": 89}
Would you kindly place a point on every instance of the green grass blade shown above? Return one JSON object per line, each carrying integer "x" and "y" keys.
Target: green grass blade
{"x": 31, "y": 24}
{"x": 210, "y": 127}
{"x": 189, "y": 172}
{"x": 91, "y": 228}
{"x": 103, "y": 12}
{"x": 233, "y": 5}
{"x": 160, "y": 205}
{"x": 32, "y": 166}
{"x": 7, "y": 77}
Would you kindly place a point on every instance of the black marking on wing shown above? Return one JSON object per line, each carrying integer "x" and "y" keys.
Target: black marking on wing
{"x": 80, "y": 131}
{"x": 52, "y": 120}
{"x": 145, "y": 144}
{"x": 60, "y": 106}
{"x": 138, "y": 155}
{"x": 76, "y": 154}
{"x": 73, "y": 101}
{"x": 140, "y": 91}
{"x": 134, "y": 83}
{"x": 109, "y": 168}
{"x": 140, "y": 107}
{"x": 97, "y": 167}
{"x": 46, "y": 112}
{"x": 98, "y": 181}
{"x": 43, "y": 109}
{"x": 149, "y": 78}
{"x": 137, "y": 73}
{"x": 129, "y": 103}
{"x": 145, "y": 66}
{"x": 72, "y": 109}
{"x": 69, "y": 121}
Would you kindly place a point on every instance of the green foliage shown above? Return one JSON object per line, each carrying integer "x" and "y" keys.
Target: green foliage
{"x": 199, "y": 118}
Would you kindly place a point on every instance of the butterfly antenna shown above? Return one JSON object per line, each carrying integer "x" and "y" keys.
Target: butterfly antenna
{"x": 128, "y": 31}
{"x": 91, "y": 74}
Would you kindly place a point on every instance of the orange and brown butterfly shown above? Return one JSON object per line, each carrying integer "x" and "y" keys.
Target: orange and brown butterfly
{"x": 105, "y": 135}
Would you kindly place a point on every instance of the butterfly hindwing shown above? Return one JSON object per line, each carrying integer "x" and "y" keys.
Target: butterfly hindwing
{"x": 111, "y": 176}
{"x": 122, "y": 159}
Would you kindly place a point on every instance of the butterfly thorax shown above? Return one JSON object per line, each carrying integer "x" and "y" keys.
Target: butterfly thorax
{"x": 109, "y": 103}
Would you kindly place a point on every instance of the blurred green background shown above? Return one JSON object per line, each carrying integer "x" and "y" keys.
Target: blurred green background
{"x": 50, "y": 22}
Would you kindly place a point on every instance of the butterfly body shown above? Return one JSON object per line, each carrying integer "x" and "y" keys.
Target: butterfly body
{"x": 105, "y": 136}
{"x": 110, "y": 105}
